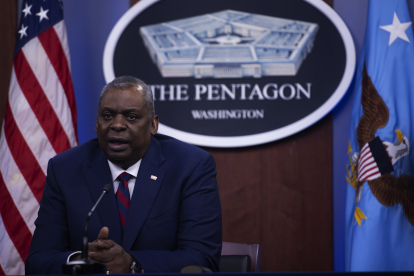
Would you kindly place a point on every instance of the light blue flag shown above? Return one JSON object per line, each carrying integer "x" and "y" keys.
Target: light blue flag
{"x": 380, "y": 171}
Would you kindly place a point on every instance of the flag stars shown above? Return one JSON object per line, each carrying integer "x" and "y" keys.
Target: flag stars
{"x": 42, "y": 14}
{"x": 397, "y": 30}
{"x": 22, "y": 31}
{"x": 26, "y": 10}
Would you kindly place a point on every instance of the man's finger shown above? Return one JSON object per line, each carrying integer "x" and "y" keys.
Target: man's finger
{"x": 105, "y": 256}
{"x": 101, "y": 256}
{"x": 100, "y": 245}
{"x": 121, "y": 263}
{"x": 103, "y": 234}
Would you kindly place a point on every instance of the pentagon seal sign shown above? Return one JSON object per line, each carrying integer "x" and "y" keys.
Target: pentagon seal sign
{"x": 229, "y": 44}
{"x": 230, "y": 73}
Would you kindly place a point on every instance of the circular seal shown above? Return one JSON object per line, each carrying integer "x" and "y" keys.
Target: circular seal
{"x": 230, "y": 73}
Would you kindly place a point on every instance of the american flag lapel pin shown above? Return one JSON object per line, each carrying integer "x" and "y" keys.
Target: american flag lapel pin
{"x": 153, "y": 177}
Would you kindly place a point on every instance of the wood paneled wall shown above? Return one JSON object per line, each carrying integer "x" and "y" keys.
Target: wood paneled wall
{"x": 280, "y": 196}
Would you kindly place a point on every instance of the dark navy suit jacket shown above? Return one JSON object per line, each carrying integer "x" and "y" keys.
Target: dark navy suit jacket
{"x": 172, "y": 222}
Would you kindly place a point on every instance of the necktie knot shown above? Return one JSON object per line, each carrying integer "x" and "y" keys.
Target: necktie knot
{"x": 124, "y": 176}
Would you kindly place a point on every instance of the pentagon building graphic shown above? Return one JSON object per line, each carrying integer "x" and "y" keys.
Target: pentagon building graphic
{"x": 229, "y": 44}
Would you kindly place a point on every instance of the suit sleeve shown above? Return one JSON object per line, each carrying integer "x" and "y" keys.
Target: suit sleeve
{"x": 199, "y": 236}
{"x": 50, "y": 244}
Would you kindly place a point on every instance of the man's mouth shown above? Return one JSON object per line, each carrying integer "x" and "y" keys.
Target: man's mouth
{"x": 117, "y": 144}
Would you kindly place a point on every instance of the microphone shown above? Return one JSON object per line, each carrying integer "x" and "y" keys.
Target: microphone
{"x": 106, "y": 189}
{"x": 85, "y": 266}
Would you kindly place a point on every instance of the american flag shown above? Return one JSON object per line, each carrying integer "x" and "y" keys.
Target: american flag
{"x": 40, "y": 122}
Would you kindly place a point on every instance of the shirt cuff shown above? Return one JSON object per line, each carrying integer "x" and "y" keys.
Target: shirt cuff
{"x": 76, "y": 252}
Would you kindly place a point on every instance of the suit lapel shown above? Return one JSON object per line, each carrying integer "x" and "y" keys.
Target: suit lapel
{"x": 145, "y": 192}
{"x": 97, "y": 175}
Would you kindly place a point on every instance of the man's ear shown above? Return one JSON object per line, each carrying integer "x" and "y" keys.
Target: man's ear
{"x": 96, "y": 126}
{"x": 154, "y": 124}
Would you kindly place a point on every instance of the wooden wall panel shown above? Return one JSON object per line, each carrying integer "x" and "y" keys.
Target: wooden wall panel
{"x": 280, "y": 196}
{"x": 8, "y": 25}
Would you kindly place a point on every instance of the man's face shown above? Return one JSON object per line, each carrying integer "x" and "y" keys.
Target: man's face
{"x": 124, "y": 126}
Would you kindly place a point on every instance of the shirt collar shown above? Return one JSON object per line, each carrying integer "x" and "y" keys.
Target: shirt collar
{"x": 117, "y": 170}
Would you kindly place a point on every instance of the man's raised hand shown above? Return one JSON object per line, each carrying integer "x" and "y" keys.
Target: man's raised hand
{"x": 110, "y": 253}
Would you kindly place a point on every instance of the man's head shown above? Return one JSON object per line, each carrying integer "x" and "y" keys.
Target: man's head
{"x": 125, "y": 120}
{"x": 131, "y": 82}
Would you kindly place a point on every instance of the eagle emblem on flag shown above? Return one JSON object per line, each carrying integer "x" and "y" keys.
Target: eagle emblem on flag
{"x": 375, "y": 161}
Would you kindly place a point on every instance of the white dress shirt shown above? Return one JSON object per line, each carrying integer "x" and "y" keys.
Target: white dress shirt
{"x": 116, "y": 171}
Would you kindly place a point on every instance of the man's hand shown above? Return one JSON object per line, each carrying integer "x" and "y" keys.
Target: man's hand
{"x": 110, "y": 253}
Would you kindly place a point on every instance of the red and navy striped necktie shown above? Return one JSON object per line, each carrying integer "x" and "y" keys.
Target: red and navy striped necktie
{"x": 122, "y": 196}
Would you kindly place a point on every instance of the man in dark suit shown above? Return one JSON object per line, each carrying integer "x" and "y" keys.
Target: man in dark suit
{"x": 163, "y": 212}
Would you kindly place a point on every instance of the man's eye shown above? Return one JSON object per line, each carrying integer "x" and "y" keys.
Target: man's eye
{"x": 107, "y": 116}
{"x": 131, "y": 117}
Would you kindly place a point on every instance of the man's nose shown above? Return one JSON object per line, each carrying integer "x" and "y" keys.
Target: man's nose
{"x": 119, "y": 122}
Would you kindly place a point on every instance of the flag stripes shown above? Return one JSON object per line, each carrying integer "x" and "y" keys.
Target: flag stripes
{"x": 43, "y": 70}
{"x": 13, "y": 222}
{"x": 51, "y": 43}
{"x": 40, "y": 104}
{"x": 22, "y": 196}
{"x": 60, "y": 29}
{"x": 40, "y": 121}
{"x": 8, "y": 251}
{"x": 29, "y": 126}
{"x": 23, "y": 156}
{"x": 367, "y": 167}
